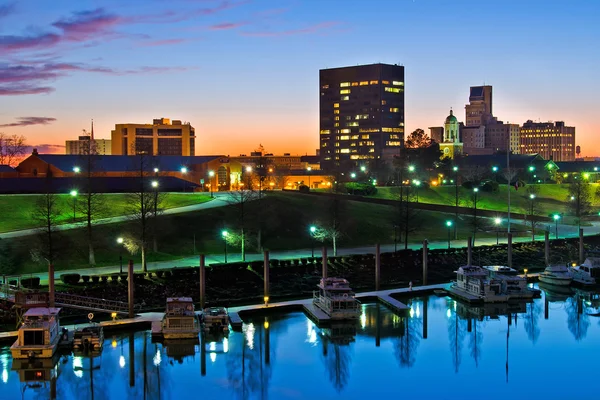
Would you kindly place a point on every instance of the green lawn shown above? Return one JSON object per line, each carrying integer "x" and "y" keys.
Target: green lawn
{"x": 285, "y": 218}
{"x": 549, "y": 198}
{"x": 16, "y": 210}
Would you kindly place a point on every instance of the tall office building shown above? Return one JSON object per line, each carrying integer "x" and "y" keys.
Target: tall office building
{"x": 361, "y": 114}
{"x": 162, "y": 137}
{"x": 553, "y": 141}
{"x": 479, "y": 109}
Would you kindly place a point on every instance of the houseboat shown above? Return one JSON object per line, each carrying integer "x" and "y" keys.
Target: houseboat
{"x": 179, "y": 321}
{"x": 336, "y": 299}
{"x": 215, "y": 319}
{"x": 503, "y": 270}
{"x": 39, "y": 335}
{"x": 557, "y": 275}
{"x": 89, "y": 338}
{"x": 586, "y": 273}
{"x": 475, "y": 283}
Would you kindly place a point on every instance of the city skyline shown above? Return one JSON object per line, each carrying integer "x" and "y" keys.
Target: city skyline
{"x": 239, "y": 72}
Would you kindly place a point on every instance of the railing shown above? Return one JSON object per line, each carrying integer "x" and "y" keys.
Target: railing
{"x": 91, "y": 303}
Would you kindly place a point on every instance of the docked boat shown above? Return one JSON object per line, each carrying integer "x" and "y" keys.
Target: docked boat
{"x": 180, "y": 320}
{"x": 586, "y": 273}
{"x": 556, "y": 293}
{"x": 558, "y": 275}
{"x": 39, "y": 335}
{"x": 477, "y": 284}
{"x": 215, "y": 319}
{"x": 336, "y": 299}
{"x": 503, "y": 270}
{"x": 89, "y": 338}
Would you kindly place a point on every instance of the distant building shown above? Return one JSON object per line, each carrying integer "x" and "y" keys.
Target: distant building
{"x": 497, "y": 135}
{"x": 436, "y": 133}
{"x": 162, "y": 137}
{"x": 479, "y": 110}
{"x": 553, "y": 141}
{"x": 84, "y": 143}
{"x": 451, "y": 145}
{"x": 361, "y": 114}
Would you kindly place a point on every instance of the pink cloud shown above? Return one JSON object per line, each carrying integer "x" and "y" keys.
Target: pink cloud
{"x": 27, "y": 121}
{"x": 303, "y": 31}
{"x": 17, "y": 90}
{"x": 226, "y": 25}
{"x": 86, "y": 24}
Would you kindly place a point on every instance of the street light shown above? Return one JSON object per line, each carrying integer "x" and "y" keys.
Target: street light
{"x": 156, "y": 170}
{"x": 411, "y": 168}
{"x": 449, "y": 226}
{"x": 154, "y": 184}
{"x": 184, "y": 171}
{"x": 120, "y": 242}
{"x": 475, "y": 191}
{"x": 312, "y": 230}
{"x": 556, "y": 218}
{"x": 455, "y": 169}
{"x": 497, "y": 222}
{"x": 417, "y": 183}
{"x": 74, "y": 195}
{"x": 224, "y": 234}
{"x": 308, "y": 169}
{"x": 76, "y": 170}
{"x": 363, "y": 168}
{"x": 211, "y": 174}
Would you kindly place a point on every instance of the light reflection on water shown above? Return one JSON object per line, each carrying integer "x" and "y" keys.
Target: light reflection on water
{"x": 444, "y": 349}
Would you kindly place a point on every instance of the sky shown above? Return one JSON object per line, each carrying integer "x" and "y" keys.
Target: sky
{"x": 246, "y": 72}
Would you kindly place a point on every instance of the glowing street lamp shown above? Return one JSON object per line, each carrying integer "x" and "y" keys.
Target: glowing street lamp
{"x": 556, "y": 218}
{"x": 248, "y": 169}
{"x": 155, "y": 184}
{"x": 353, "y": 175}
{"x": 120, "y": 242}
{"x": 74, "y": 195}
{"x": 312, "y": 230}
{"x": 497, "y": 222}
{"x": 586, "y": 175}
{"x": 224, "y": 234}
{"x": 156, "y": 170}
{"x": 455, "y": 169}
{"x": 184, "y": 171}
{"x": 411, "y": 168}
{"x": 417, "y": 183}
{"x": 363, "y": 168}
{"x": 76, "y": 170}
{"x": 449, "y": 226}
{"x": 211, "y": 174}
{"x": 308, "y": 169}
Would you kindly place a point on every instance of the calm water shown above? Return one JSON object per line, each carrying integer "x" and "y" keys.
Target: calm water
{"x": 445, "y": 350}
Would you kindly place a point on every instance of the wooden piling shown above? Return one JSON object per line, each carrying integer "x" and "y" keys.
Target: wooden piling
{"x": 425, "y": 262}
{"x": 509, "y": 249}
{"x": 130, "y": 296}
{"x": 547, "y": 247}
{"x": 581, "y": 251}
{"x": 50, "y": 284}
{"x": 202, "y": 273}
{"x": 469, "y": 251}
{"x": 266, "y": 276}
{"x": 324, "y": 272}
{"x": 377, "y": 266}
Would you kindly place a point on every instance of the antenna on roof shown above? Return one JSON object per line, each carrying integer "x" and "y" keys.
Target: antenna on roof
{"x": 92, "y": 134}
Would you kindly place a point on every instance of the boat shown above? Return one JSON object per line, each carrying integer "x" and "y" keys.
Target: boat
{"x": 39, "y": 335}
{"x": 89, "y": 338}
{"x": 556, "y": 293}
{"x": 503, "y": 270}
{"x": 474, "y": 283}
{"x": 558, "y": 275}
{"x": 215, "y": 319}
{"x": 586, "y": 273}
{"x": 336, "y": 299}
{"x": 179, "y": 321}
{"x": 340, "y": 333}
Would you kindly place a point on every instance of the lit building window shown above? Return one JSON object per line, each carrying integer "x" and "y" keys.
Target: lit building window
{"x": 354, "y": 137}
{"x": 325, "y": 131}
{"x": 337, "y": 118}
{"x": 397, "y": 83}
{"x": 354, "y": 83}
{"x": 365, "y": 136}
{"x": 352, "y": 124}
{"x": 345, "y": 98}
{"x": 392, "y": 90}
{"x": 374, "y": 82}
{"x": 336, "y": 105}
{"x": 344, "y": 137}
{"x": 385, "y": 82}
{"x": 383, "y": 102}
{"x": 394, "y": 109}
{"x": 364, "y": 83}
{"x": 345, "y": 131}
{"x": 336, "y": 111}
{"x": 345, "y": 151}
{"x": 345, "y": 91}
{"x": 325, "y": 87}
{"x": 344, "y": 84}
{"x": 336, "y": 124}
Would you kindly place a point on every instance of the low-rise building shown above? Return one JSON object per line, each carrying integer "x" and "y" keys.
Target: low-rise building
{"x": 162, "y": 137}
{"x": 85, "y": 144}
{"x": 553, "y": 141}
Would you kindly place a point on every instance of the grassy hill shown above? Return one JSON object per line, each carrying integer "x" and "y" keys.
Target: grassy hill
{"x": 16, "y": 210}
{"x": 284, "y": 218}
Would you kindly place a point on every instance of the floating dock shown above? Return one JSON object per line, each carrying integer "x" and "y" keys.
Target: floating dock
{"x": 235, "y": 321}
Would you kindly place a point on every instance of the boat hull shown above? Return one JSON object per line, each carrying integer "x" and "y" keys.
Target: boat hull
{"x": 555, "y": 281}
{"x": 28, "y": 352}
{"x": 339, "y": 315}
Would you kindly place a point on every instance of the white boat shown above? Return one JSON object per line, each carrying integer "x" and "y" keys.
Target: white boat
{"x": 215, "y": 319}
{"x": 180, "y": 320}
{"x": 558, "y": 275}
{"x": 477, "y": 283}
{"x": 586, "y": 273}
{"x": 89, "y": 338}
{"x": 336, "y": 299}
{"x": 39, "y": 335}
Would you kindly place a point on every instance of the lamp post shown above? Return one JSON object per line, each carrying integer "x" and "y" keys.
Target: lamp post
{"x": 155, "y": 187}
{"x": 556, "y": 218}
{"x": 211, "y": 174}
{"x": 449, "y": 226}
{"x": 224, "y": 234}
{"x": 395, "y": 238}
{"x": 475, "y": 191}
{"x": 353, "y": 176}
{"x": 495, "y": 170}
{"x": 120, "y": 242}
{"x": 455, "y": 169}
{"x": 312, "y": 230}
{"x": 74, "y": 195}
{"x": 76, "y": 170}
{"x": 417, "y": 184}
{"x": 308, "y": 169}
{"x": 184, "y": 171}
{"x": 497, "y": 222}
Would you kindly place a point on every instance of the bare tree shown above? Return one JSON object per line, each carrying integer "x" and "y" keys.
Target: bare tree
{"x": 239, "y": 236}
{"x": 141, "y": 204}
{"x": 46, "y": 213}
{"x": 94, "y": 202}
{"x": 329, "y": 228}
{"x": 533, "y": 210}
{"x": 579, "y": 200}
{"x": 12, "y": 149}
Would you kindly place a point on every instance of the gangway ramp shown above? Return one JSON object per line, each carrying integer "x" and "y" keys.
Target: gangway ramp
{"x": 90, "y": 303}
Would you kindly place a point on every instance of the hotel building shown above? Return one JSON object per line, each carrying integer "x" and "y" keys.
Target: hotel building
{"x": 361, "y": 114}
{"x": 553, "y": 141}
{"x": 162, "y": 137}
{"x": 101, "y": 146}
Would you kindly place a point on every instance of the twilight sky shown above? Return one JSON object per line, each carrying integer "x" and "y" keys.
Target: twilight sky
{"x": 245, "y": 72}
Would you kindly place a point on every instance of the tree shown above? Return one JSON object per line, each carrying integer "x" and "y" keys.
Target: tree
{"x": 405, "y": 348}
{"x": 579, "y": 200}
{"x": 533, "y": 210}
{"x": 46, "y": 213}
{"x": 329, "y": 229}
{"x": 407, "y": 216}
{"x": 141, "y": 205}
{"x": 8, "y": 259}
{"x": 93, "y": 204}
{"x": 418, "y": 139}
{"x": 12, "y": 149}
{"x": 239, "y": 199}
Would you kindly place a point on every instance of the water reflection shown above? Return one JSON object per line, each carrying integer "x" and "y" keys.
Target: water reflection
{"x": 288, "y": 356}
